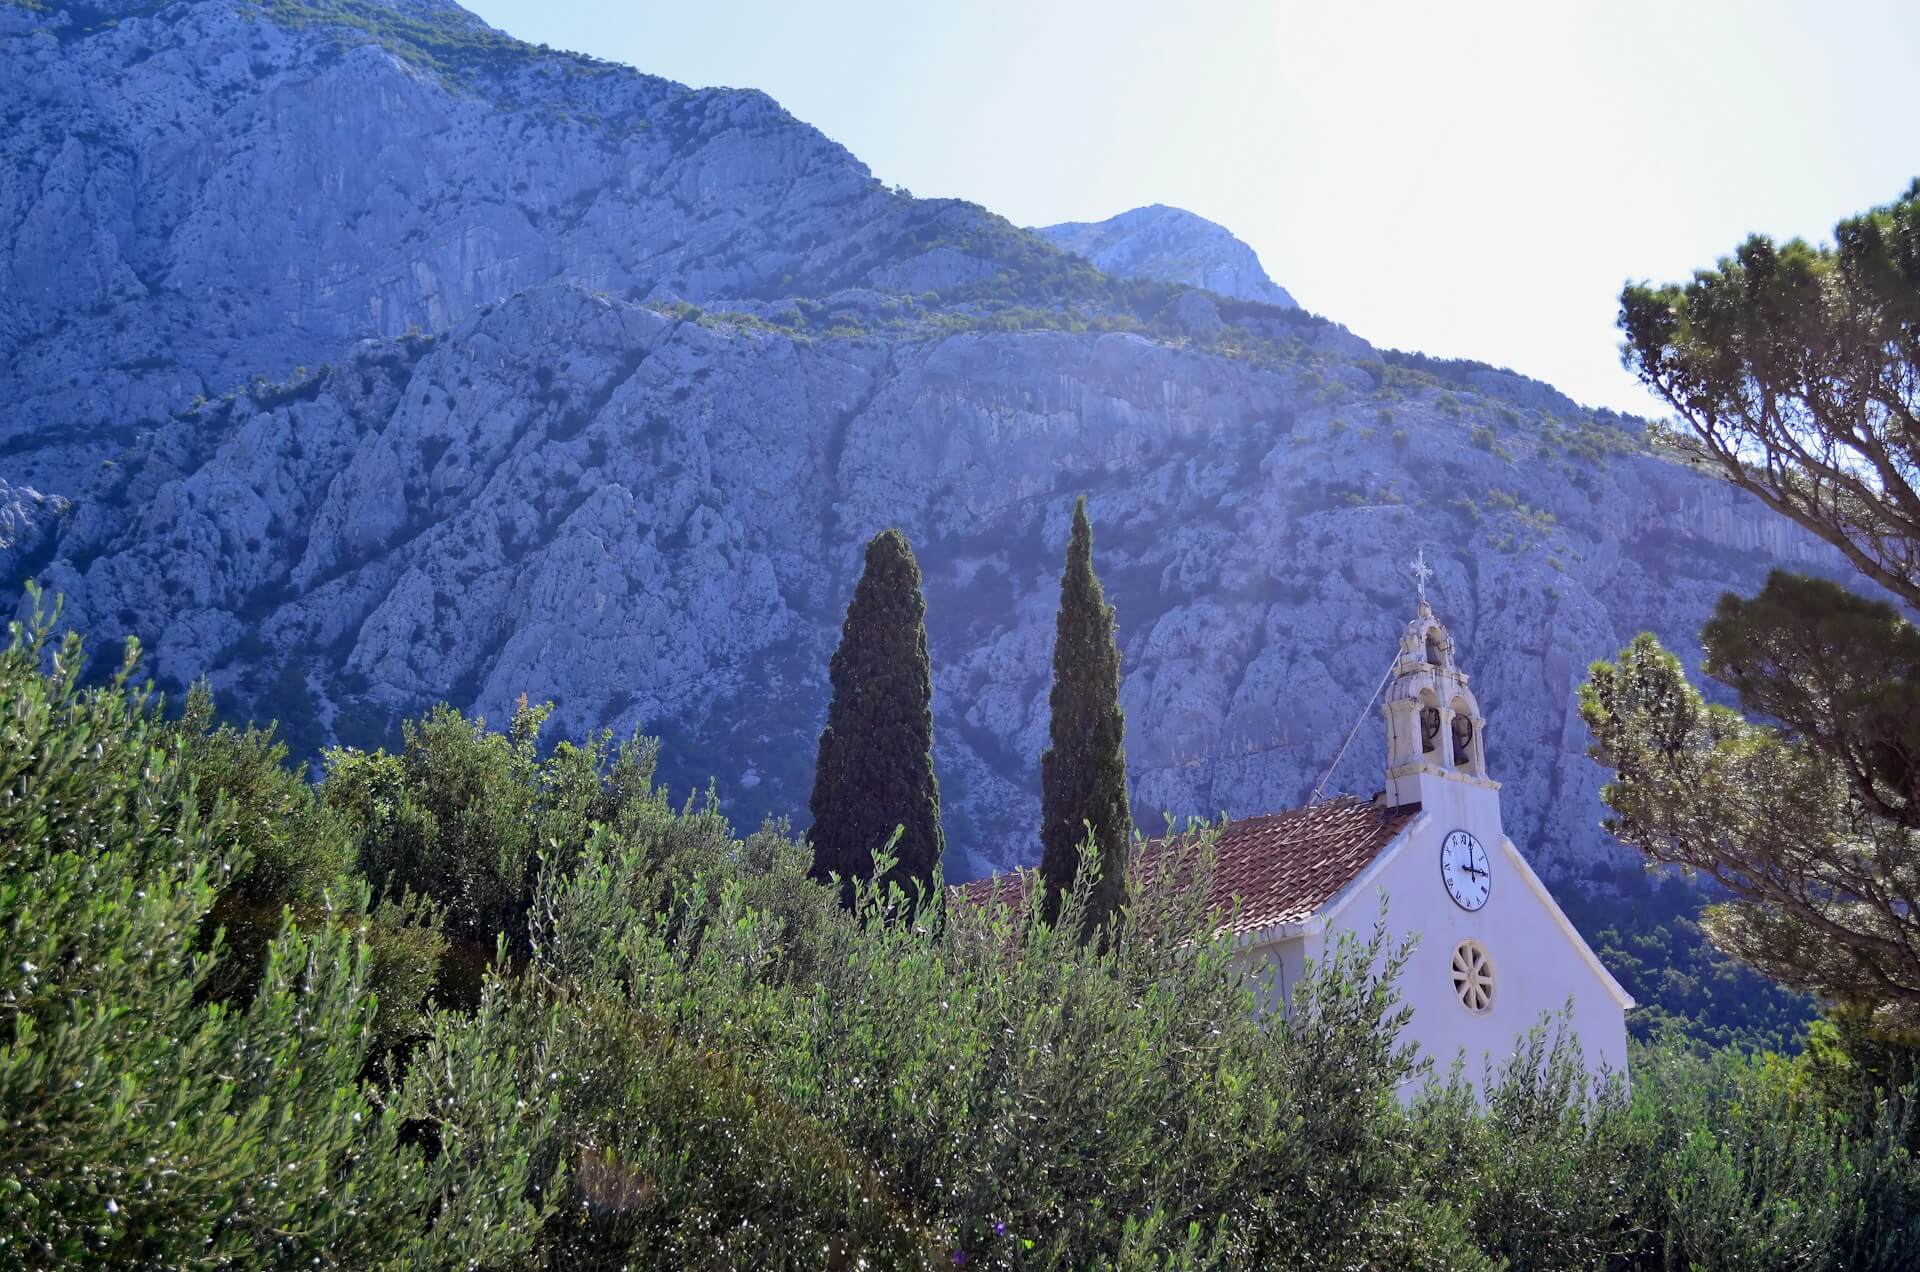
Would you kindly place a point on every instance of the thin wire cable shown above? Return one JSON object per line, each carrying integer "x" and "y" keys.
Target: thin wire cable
{"x": 1341, "y": 754}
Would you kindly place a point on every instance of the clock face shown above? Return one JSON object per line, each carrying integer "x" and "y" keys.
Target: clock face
{"x": 1465, "y": 870}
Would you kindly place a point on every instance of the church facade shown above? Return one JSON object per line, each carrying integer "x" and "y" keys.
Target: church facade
{"x": 1492, "y": 954}
{"x": 1493, "y": 951}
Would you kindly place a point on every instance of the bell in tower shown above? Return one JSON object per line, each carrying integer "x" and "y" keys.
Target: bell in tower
{"x": 1435, "y": 732}
{"x": 1462, "y": 740}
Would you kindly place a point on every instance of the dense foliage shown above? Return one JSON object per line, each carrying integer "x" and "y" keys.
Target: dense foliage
{"x": 698, "y": 1058}
{"x": 293, "y": 852}
{"x": 142, "y": 1124}
{"x": 1083, "y": 773}
{"x": 1796, "y": 821}
{"x": 1795, "y": 371}
{"x": 1646, "y": 929}
{"x": 874, "y": 777}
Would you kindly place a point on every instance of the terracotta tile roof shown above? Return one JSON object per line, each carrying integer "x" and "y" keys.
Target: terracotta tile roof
{"x": 1008, "y": 887}
{"x": 1281, "y": 867}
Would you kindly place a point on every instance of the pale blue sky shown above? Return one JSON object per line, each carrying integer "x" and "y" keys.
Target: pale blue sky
{"x": 1468, "y": 180}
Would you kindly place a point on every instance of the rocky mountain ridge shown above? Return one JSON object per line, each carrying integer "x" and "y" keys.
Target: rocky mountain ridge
{"x": 195, "y": 194}
{"x": 365, "y": 359}
{"x": 1172, "y": 245}
{"x": 653, "y": 518}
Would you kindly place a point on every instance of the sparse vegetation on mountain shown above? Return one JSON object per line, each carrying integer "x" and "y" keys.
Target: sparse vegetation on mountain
{"x": 442, "y": 39}
{"x": 1646, "y": 929}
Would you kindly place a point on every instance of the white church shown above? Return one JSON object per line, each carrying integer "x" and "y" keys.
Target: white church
{"x": 1494, "y": 953}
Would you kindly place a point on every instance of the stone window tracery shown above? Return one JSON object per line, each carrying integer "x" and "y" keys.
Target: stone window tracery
{"x": 1473, "y": 976}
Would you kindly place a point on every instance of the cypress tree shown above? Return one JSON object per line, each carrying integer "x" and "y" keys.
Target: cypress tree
{"x": 1083, "y": 775}
{"x": 875, "y": 769}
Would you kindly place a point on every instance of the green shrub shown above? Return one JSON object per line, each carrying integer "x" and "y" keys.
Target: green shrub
{"x": 1542, "y": 1169}
{"x": 463, "y": 817}
{"x": 1028, "y": 1100}
{"x": 1737, "y": 1168}
{"x": 695, "y": 1057}
{"x": 139, "y": 1125}
{"x": 297, "y": 856}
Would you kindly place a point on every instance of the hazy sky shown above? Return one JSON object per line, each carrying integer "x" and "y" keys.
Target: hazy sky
{"x": 1468, "y": 179}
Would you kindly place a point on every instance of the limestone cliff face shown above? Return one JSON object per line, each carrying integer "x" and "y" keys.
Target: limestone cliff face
{"x": 655, "y": 521}
{"x": 354, "y": 368}
{"x": 198, "y": 193}
{"x": 1173, "y": 245}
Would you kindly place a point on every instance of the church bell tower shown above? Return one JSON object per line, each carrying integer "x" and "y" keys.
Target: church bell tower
{"x": 1436, "y": 744}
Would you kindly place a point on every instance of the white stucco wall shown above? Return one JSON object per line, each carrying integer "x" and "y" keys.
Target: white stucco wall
{"x": 1274, "y": 969}
{"x": 1538, "y": 965}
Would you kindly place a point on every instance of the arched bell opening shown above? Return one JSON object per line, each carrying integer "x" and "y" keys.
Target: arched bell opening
{"x": 1462, "y": 740}
{"x": 1430, "y": 729}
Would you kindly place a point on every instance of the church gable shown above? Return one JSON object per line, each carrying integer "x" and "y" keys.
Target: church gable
{"x": 1516, "y": 923}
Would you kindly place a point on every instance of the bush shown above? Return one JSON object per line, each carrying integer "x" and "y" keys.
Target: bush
{"x": 140, "y": 1126}
{"x": 999, "y": 1092}
{"x": 1737, "y": 1168}
{"x": 463, "y": 817}
{"x": 296, "y": 856}
{"x": 695, "y": 1057}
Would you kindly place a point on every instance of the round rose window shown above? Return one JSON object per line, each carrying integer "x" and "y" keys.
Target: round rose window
{"x": 1473, "y": 976}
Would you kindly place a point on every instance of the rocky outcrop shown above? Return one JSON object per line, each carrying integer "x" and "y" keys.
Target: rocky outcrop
{"x": 1174, "y": 246}
{"x": 28, "y": 519}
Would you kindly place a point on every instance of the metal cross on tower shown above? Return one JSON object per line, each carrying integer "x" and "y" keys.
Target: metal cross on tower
{"x": 1421, "y": 573}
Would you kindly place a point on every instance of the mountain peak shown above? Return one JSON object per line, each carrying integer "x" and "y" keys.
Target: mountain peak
{"x": 1172, "y": 245}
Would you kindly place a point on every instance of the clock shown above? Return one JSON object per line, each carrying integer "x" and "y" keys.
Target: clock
{"x": 1465, "y": 870}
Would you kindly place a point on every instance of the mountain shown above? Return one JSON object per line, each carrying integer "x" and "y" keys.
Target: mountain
{"x": 201, "y": 193}
{"x": 1172, "y": 245}
{"x": 358, "y": 356}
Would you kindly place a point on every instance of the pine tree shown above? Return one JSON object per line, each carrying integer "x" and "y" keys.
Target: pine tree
{"x": 1083, "y": 775}
{"x": 875, "y": 770}
{"x": 1808, "y": 815}
{"x": 1794, "y": 370}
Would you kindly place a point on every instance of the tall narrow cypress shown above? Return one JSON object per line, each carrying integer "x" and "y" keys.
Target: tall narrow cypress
{"x": 1083, "y": 775}
{"x": 875, "y": 769}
